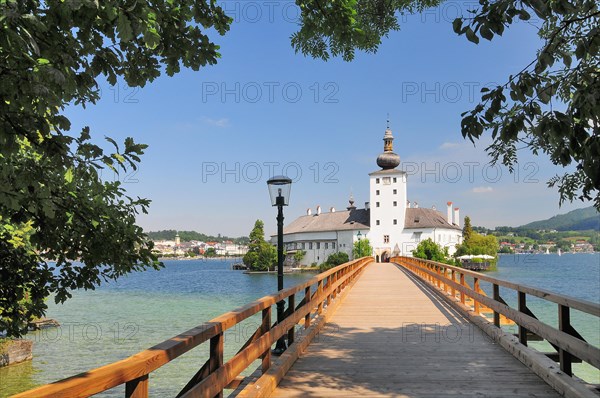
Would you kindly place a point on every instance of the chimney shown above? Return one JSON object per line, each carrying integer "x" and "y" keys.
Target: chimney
{"x": 449, "y": 212}
{"x": 332, "y": 209}
{"x": 367, "y": 205}
{"x": 318, "y": 210}
{"x": 456, "y": 217}
{"x": 308, "y": 211}
{"x": 408, "y": 204}
{"x": 415, "y": 205}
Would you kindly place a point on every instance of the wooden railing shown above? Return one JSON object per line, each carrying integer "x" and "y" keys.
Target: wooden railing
{"x": 215, "y": 375}
{"x": 570, "y": 346}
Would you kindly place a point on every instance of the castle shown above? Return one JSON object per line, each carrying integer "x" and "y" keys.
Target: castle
{"x": 392, "y": 224}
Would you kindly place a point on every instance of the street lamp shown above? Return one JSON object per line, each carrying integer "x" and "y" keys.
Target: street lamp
{"x": 359, "y": 235}
{"x": 279, "y": 190}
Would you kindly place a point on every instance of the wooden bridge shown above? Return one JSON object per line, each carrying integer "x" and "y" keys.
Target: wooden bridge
{"x": 409, "y": 328}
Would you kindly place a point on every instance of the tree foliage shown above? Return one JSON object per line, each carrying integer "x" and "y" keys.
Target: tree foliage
{"x": 333, "y": 260}
{"x": 467, "y": 231}
{"x": 550, "y": 106}
{"x": 429, "y": 250}
{"x": 54, "y": 205}
{"x": 362, "y": 248}
{"x": 261, "y": 256}
{"x": 478, "y": 244}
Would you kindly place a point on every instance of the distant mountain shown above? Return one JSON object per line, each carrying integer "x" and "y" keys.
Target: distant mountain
{"x": 576, "y": 220}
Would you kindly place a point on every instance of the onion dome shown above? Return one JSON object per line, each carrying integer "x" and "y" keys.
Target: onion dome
{"x": 388, "y": 159}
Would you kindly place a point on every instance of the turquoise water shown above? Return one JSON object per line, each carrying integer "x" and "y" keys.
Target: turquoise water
{"x": 137, "y": 312}
{"x": 143, "y": 309}
{"x": 575, "y": 275}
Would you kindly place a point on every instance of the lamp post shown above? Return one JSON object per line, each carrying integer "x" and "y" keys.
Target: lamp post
{"x": 279, "y": 190}
{"x": 359, "y": 235}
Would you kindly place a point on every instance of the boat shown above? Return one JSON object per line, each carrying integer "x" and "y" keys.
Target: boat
{"x": 559, "y": 252}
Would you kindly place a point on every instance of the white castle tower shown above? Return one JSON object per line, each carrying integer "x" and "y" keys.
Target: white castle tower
{"x": 387, "y": 202}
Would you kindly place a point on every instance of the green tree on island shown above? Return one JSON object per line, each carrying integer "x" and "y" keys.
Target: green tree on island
{"x": 261, "y": 256}
{"x": 333, "y": 260}
{"x": 362, "y": 248}
{"x": 429, "y": 250}
{"x": 475, "y": 243}
{"x": 467, "y": 231}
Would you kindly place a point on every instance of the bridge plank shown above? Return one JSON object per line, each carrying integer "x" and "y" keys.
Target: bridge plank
{"x": 393, "y": 338}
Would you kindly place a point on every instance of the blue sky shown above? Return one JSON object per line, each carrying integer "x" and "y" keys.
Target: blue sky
{"x": 215, "y": 135}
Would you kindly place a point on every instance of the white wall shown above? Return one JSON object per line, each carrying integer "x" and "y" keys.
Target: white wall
{"x": 319, "y": 245}
{"x": 386, "y": 212}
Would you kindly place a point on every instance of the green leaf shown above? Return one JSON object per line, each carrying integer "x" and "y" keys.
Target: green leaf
{"x": 471, "y": 36}
{"x": 124, "y": 28}
{"x": 69, "y": 175}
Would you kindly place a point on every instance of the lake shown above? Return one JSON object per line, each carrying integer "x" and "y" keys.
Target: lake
{"x": 143, "y": 309}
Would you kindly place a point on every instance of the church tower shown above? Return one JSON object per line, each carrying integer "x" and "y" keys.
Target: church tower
{"x": 387, "y": 202}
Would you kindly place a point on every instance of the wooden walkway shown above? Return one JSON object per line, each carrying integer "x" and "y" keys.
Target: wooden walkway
{"x": 392, "y": 337}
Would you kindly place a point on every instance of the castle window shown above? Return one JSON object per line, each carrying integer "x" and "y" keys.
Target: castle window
{"x": 395, "y": 203}
{"x": 395, "y": 191}
{"x": 333, "y": 245}
{"x": 303, "y": 245}
{"x": 377, "y": 181}
{"x": 395, "y": 180}
{"x": 310, "y": 245}
{"x": 386, "y": 239}
{"x": 376, "y": 222}
{"x": 376, "y": 204}
{"x": 386, "y": 180}
{"x": 377, "y": 192}
{"x": 326, "y": 245}
{"x": 318, "y": 245}
{"x": 395, "y": 221}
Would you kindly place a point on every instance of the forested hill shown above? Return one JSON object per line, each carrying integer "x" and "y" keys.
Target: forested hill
{"x": 576, "y": 220}
{"x": 185, "y": 236}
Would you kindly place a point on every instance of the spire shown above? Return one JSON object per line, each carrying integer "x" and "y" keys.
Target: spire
{"x": 388, "y": 159}
{"x": 351, "y": 201}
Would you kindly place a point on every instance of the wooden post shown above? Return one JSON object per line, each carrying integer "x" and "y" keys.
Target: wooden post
{"x": 334, "y": 292}
{"x": 326, "y": 287}
{"x": 564, "y": 324}
{"x": 319, "y": 291}
{"x": 476, "y": 289}
{"x": 452, "y": 289}
{"x": 446, "y": 280}
{"x": 307, "y": 300}
{"x": 137, "y": 388}
{"x": 292, "y": 307}
{"x": 216, "y": 356}
{"x": 522, "y": 305}
{"x": 497, "y": 299}
{"x": 462, "y": 283}
{"x": 264, "y": 328}
{"x": 438, "y": 269}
